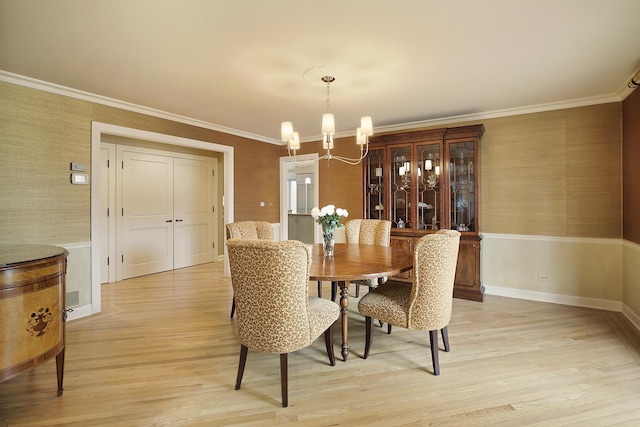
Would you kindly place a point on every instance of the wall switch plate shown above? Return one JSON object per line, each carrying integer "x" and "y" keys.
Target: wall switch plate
{"x": 79, "y": 178}
{"x": 80, "y": 167}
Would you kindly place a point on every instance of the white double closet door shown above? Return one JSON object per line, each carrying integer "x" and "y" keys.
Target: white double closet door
{"x": 164, "y": 211}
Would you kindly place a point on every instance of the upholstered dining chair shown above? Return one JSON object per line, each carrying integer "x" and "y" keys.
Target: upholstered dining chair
{"x": 426, "y": 304}
{"x": 248, "y": 230}
{"x": 366, "y": 232}
{"x": 275, "y": 312}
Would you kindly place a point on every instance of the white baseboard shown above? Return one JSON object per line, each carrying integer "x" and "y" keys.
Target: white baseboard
{"x": 554, "y": 298}
{"x": 631, "y": 316}
{"x": 79, "y": 312}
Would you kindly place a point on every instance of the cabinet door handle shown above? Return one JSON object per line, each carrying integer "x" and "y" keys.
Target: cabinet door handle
{"x": 169, "y": 220}
{"x": 179, "y": 220}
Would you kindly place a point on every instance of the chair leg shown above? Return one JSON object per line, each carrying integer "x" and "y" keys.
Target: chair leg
{"x": 319, "y": 289}
{"x": 284, "y": 379}
{"x": 433, "y": 338}
{"x": 334, "y": 290}
{"x": 357, "y": 291}
{"x": 328, "y": 341}
{"x": 233, "y": 306}
{"x": 445, "y": 338}
{"x": 243, "y": 360}
{"x": 381, "y": 324}
{"x": 367, "y": 339}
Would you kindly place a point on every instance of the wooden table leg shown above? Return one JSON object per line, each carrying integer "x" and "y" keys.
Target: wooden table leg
{"x": 60, "y": 370}
{"x": 344, "y": 310}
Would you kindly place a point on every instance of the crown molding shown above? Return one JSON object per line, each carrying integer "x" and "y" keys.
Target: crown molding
{"x": 561, "y": 105}
{"x": 99, "y": 99}
{"x": 111, "y": 102}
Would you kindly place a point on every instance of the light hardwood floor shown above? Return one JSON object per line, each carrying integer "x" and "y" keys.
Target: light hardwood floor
{"x": 164, "y": 352}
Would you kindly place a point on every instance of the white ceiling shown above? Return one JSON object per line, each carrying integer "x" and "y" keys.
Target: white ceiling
{"x": 240, "y": 64}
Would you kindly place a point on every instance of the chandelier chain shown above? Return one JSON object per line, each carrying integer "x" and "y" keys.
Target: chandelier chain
{"x": 328, "y": 79}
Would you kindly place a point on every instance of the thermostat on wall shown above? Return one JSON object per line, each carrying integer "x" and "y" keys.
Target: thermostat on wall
{"x": 79, "y": 178}
{"x": 80, "y": 167}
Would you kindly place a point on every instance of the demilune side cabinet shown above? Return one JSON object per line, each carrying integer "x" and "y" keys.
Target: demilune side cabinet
{"x": 424, "y": 181}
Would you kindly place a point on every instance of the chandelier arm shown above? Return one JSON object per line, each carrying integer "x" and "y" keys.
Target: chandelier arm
{"x": 304, "y": 163}
{"x": 352, "y": 161}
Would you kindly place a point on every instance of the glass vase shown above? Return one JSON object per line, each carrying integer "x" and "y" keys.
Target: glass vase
{"x": 328, "y": 241}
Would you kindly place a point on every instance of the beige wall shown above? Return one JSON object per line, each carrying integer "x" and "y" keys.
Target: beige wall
{"x": 554, "y": 173}
{"x": 550, "y": 204}
{"x": 42, "y": 133}
{"x": 631, "y": 168}
{"x": 340, "y": 183}
{"x": 631, "y": 278}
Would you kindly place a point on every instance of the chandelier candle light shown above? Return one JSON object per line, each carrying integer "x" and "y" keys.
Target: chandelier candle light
{"x": 329, "y": 218}
{"x": 328, "y": 130}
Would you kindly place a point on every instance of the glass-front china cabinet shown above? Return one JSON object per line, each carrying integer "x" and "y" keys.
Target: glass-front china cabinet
{"x": 424, "y": 181}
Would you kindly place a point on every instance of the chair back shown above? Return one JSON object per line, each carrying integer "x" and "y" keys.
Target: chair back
{"x": 434, "y": 271}
{"x": 250, "y": 230}
{"x": 270, "y": 284}
{"x": 368, "y": 231}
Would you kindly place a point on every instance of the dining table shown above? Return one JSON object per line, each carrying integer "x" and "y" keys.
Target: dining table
{"x": 353, "y": 261}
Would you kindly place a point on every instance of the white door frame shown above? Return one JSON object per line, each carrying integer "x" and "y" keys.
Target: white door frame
{"x": 97, "y": 130}
{"x": 285, "y": 164}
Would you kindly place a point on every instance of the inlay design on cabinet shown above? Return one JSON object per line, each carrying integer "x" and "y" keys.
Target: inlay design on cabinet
{"x": 424, "y": 181}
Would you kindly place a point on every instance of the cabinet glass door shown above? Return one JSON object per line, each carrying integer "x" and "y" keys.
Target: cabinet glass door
{"x": 462, "y": 200}
{"x": 401, "y": 214}
{"x": 428, "y": 186}
{"x": 374, "y": 179}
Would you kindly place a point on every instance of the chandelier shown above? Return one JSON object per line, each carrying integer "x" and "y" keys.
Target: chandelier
{"x": 328, "y": 130}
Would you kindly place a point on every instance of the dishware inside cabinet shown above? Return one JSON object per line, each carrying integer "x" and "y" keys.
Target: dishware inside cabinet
{"x": 462, "y": 200}
{"x": 401, "y": 187}
{"x": 428, "y": 174}
{"x": 374, "y": 185}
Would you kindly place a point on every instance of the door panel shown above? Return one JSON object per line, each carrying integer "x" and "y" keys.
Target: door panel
{"x": 193, "y": 212}
{"x": 147, "y": 214}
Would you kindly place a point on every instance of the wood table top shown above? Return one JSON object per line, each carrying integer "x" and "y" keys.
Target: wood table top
{"x": 357, "y": 262}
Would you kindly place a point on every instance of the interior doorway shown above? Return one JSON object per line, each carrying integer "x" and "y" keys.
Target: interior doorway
{"x": 307, "y": 166}
{"x": 97, "y": 131}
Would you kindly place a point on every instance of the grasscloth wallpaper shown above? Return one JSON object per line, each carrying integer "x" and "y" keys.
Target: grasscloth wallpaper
{"x": 554, "y": 173}
{"x": 631, "y": 166}
{"x": 42, "y": 133}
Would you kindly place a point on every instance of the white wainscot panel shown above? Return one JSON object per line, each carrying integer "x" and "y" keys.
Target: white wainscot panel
{"x": 586, "y": 272}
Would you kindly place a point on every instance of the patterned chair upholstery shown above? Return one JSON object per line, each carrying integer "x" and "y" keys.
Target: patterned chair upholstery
{"x": 367, "y": 232}
{"x": 426, "y": 304}
{"x": 248, "y": 230}
{"x": 275, "y": 312}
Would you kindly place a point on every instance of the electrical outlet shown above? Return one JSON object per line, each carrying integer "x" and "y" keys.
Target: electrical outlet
{"x": 543, "y": 277}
